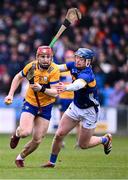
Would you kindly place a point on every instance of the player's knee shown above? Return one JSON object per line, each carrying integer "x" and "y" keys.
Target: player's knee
{"x": 24, "y": 133}
{"x": 59, "y": 136}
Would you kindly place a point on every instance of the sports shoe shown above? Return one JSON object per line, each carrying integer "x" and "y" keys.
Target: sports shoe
{"x": 108, "y": 144}
{"x": 19, "y": 163}
{"x": 14, "y": 141}
{"x": 48, "y": 165}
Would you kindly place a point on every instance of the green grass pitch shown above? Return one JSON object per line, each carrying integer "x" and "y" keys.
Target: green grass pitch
{"x": 72, "y": 163}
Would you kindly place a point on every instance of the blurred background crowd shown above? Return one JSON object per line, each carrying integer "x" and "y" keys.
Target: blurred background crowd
{"x": 27, "y": 24}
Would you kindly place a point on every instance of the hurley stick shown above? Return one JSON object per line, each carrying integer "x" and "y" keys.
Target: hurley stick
{"x": 72, "y": 15}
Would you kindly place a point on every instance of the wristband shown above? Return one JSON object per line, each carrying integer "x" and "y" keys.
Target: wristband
{"x": 42, "y": 89}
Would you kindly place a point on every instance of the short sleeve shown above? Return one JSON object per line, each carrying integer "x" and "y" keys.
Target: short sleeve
{"x": 26, "y": 68}
{"x": 69, "y": 65}
{"x": 85, "y": 76}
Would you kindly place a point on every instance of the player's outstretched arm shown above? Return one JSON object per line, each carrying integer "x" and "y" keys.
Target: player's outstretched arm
{"x": 14, "y": 85}
{"x": 62, "y": 67}
{"x": 75, "y": 86}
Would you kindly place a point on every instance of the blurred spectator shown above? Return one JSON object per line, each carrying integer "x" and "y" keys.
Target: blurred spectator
{"x": 117, "y": 94}
{"x": 105, "y": 94}
{"x": 124, "y": 100}
{"x": 4, "y": 80}
{"x": 113, "y": 76}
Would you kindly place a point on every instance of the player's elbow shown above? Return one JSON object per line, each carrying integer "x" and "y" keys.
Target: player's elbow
{"x": 54, "y": 95}
{"x": 18, "y": 76}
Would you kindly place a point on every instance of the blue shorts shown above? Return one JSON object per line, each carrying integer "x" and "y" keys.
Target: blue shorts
{"x": 64, "y": 103}
{"x": 45, "y": 113}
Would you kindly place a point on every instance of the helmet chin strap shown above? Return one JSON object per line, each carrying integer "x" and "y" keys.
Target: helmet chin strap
{"x": 88, "y": 63}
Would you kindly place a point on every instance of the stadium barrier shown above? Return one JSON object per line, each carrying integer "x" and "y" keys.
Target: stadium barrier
{"x": 113, "y": 120}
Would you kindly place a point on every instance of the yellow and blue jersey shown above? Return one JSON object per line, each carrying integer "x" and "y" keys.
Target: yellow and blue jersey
{"x": 45, "y": 77}
{"x": 88, "y": 96}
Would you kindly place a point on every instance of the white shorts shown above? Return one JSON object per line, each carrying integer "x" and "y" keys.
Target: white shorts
{"x": 88, "y": 117}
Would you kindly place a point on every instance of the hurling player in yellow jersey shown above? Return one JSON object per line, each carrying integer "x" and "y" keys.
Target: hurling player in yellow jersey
{"x": 40, "y": 96}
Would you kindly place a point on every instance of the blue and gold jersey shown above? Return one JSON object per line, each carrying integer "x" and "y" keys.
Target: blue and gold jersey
{"x": 85, "y": 97}
{"x": 44, "y": 77}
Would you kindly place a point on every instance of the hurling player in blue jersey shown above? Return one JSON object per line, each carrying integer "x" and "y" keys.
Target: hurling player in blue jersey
{"x": 85, "y": 106}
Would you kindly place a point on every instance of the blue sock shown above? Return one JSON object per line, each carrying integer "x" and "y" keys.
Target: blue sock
{"x": 53, "y": 158}
{"x": 104, "y": 140}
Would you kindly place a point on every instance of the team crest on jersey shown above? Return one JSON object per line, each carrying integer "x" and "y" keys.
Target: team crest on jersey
{"x": 45, "y": 78}
{"x": 26, "y": 107}
{"x": 74, "y": 71}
